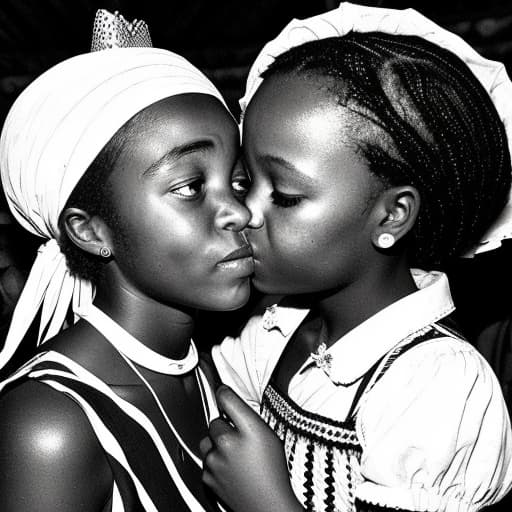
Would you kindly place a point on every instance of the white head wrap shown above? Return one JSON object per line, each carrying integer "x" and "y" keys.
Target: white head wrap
{"x": 52, "y": 133}
{"x": 351, "y": 17}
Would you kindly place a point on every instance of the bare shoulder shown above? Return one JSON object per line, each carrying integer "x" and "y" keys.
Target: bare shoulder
{"x": 50, "y": 458}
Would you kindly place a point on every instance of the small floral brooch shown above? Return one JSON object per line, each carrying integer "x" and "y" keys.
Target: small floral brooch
{"x": 322, "y": 358}
{"x": 270, "y": 317}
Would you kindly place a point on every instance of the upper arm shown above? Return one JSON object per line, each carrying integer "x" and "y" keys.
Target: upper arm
{"x": 50, "y": 459}
{"x": 436, "y": 432}
{"x": 235, "y": 359}
{"x": 246, "y": 362}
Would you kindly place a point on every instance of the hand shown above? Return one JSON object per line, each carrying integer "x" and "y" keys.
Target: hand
{"x": 244, "y": 461}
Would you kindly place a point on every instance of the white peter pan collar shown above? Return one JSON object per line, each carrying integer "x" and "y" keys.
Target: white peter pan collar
{"x": 357, "y": 351}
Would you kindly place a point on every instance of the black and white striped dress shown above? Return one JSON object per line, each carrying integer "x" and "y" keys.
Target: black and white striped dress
{"x": 146, "y": 478}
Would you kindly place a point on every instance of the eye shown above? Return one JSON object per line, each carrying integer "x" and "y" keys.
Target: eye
{"x": 240, "y": 182}
{"x": 241, "y": 185}
{"x": 190, "y": 190}
{"x": 285, "y": 201}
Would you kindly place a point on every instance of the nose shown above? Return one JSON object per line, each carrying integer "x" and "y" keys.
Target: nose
{"x": 232, "y": 215}
{"x": 252, "y": 201}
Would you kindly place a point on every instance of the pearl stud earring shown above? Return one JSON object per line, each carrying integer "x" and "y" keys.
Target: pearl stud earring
{"x": 385, "y": 240}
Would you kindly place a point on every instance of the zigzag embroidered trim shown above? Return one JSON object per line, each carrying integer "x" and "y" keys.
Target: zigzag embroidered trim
{"x": 339, "y": 433}
{"x": 323, "y": 456}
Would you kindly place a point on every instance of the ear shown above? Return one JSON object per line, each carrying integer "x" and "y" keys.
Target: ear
{"x": 396, "y": 209}
{"x": 88, "y": 232}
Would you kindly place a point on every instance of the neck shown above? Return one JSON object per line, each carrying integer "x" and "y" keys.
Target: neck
{"x": 345, "y": 308}
{"x": 163, "y": 328}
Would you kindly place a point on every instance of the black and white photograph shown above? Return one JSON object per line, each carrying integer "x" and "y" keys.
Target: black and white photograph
{"x": 255, "y": 256}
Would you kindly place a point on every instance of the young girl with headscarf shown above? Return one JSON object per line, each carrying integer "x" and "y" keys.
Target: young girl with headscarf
{"x": 126, "y": 161}
{"x": 377, "y": 144}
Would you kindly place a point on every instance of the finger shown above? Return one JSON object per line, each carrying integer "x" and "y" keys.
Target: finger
{"x": 205, "y": 446}
{"x": 219, "y": 431}
{"x": 237, "y": 411}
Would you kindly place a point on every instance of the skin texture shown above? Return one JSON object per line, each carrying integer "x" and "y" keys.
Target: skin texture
{"x": 307, "y": 182}
{"x": 176, "y": 219}
{"x": 317, "y": 213}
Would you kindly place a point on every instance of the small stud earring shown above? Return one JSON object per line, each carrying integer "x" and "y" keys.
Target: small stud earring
{"x": 105, "y": 252}
{"x": 385, "y": 240}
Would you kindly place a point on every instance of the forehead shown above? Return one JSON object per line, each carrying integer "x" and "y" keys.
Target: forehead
{"x": 290, "y": 112}
{"x": 294, "y": 126}
{"x": 186, "y": 113}
{"x": 176, "y": 121}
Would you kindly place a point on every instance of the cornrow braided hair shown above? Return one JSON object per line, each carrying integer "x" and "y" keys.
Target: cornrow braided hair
{"x": 423, "y": 120}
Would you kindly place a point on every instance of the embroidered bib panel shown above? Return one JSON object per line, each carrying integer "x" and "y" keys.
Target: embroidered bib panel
{"x": 323, "y": 455}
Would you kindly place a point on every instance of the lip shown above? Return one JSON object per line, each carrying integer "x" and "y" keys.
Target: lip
{"x": 242, "y": 252}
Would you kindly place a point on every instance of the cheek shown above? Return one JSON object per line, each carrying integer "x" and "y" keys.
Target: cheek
{"x": 309, "y": 230}
{"x": 158, "y": 221}
{"x": 314, "y": 242}
{"x": 145, "y": 234}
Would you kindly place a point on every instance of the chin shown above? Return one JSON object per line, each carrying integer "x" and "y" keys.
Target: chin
{"x": 274, "y": 286}
{"x": 269, "y": 286}
{"x": 268, "y": 279}
{"x": 234, "y": 298}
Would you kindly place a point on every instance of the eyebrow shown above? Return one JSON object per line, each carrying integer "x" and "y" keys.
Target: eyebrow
{"x": 178, "y": 152}
{"x": 282, "y": 162}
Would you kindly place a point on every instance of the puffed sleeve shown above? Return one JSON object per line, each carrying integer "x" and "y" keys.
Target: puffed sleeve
{"x": 435, "y": 433}
{"x": 245, "y": 362}
{"x": 234, "y": 359}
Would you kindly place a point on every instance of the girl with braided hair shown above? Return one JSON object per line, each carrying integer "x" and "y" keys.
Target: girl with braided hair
{"x": 374, "y": 150}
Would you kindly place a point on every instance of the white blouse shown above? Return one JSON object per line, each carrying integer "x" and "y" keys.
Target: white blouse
{"x": 434, "y": 429}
